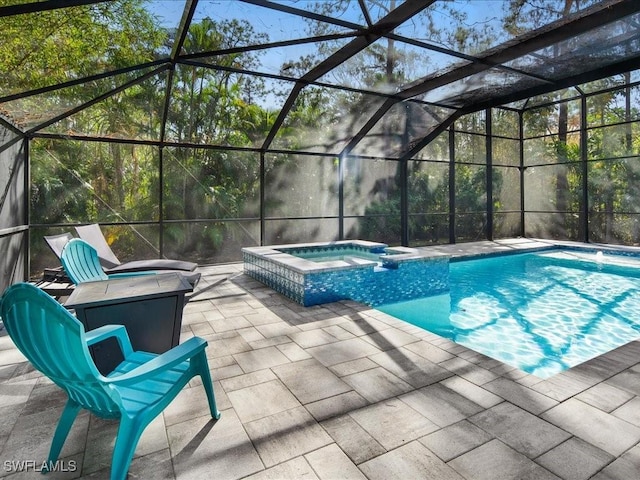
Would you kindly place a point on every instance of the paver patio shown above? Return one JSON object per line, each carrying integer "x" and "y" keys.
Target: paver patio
{"x": 344, "y": 391}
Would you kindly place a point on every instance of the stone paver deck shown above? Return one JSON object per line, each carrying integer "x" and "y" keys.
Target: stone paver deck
{"x": 344, "y": 391}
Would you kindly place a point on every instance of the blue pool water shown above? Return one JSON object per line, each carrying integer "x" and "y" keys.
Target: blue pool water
{"x": 337, "y": 254}
{"x": 541, "y": 312}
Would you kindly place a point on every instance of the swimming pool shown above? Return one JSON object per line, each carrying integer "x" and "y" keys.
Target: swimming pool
{"x": 541, "y": 312}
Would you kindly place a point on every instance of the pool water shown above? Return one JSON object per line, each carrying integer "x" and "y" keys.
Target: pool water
{"x": 339, "y": 254}
{"x": 541, "y": 312}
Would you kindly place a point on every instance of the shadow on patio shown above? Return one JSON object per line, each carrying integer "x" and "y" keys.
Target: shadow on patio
{"x": 344, "y": 391}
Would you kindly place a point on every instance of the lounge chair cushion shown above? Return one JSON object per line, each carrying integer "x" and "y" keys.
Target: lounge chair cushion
{"x": 153, "y": 264}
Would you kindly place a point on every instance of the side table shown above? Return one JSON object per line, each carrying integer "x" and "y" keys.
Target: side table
{"x": 149, "y": 306}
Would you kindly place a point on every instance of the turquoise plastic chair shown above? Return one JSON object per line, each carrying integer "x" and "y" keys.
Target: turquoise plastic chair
{"x": 82, "y": 264}
{"x": 136, "y": 392}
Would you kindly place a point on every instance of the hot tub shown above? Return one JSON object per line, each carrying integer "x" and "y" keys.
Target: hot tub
{"x": 368, "y": 272}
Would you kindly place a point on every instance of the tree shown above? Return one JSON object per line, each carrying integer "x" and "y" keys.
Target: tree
{"x": 387, "y": 65}
{"x": 211, "y": 106}
{"x": 54, "y": 46}
{"x": 50, "y": 47}
{"x": 613, "y": 177}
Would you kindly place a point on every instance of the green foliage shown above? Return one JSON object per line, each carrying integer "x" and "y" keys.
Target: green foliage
{"x": 118, "y": 182}
{"x": 51, "y": 47}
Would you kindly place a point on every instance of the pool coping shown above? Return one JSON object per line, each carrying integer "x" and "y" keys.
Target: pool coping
{"x": 468, "y": 250}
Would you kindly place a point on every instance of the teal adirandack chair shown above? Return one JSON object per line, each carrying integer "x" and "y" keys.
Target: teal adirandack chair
{"x": 82, "y": 264}
{"x": 136, "y": 392}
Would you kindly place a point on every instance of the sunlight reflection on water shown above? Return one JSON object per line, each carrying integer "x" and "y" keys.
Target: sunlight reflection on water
{"x": 540, "y": 312}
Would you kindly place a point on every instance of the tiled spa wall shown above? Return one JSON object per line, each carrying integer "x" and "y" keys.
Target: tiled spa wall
{"x": 367, "y": 284}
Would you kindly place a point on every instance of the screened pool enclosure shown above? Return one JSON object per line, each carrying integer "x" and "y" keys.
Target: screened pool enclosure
{"x": 191, "y": 129}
